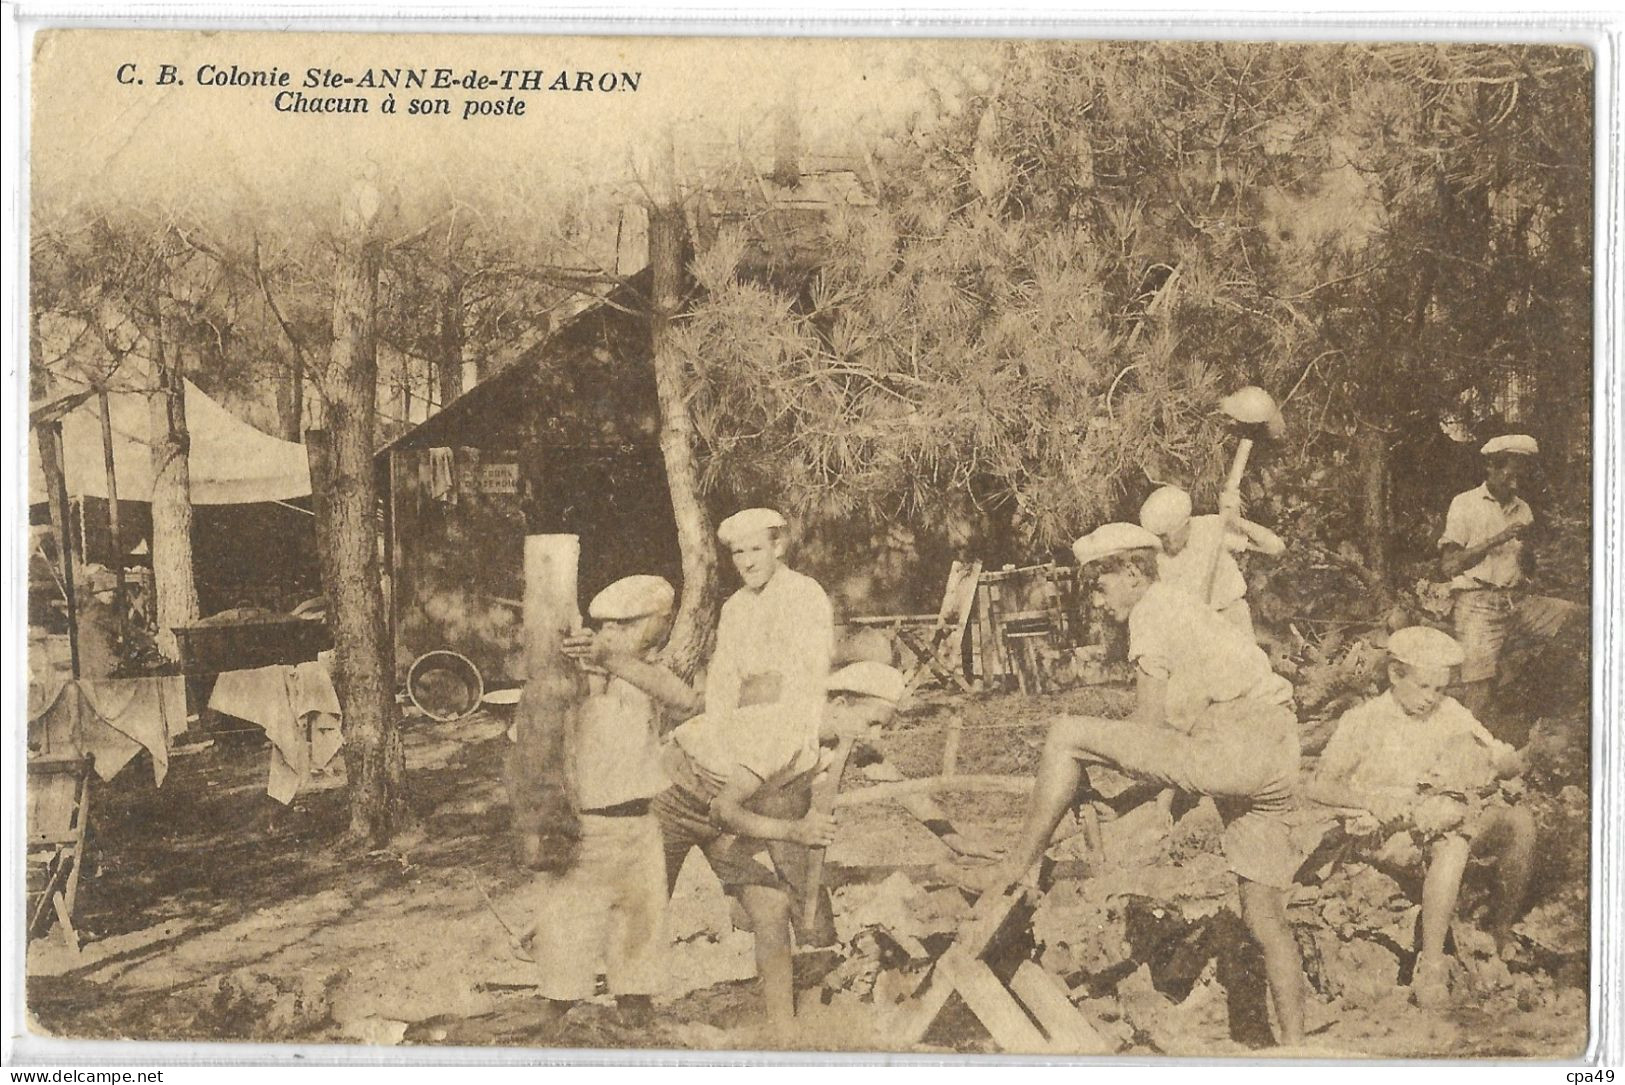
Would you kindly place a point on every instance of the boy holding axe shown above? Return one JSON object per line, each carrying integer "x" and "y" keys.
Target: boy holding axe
{"x": 1211, "y": 718}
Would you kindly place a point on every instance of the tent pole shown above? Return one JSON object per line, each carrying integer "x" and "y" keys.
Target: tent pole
{"x": 119, "y": 607}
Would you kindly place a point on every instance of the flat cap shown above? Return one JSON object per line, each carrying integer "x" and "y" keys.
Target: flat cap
{"x": 1421, "y": 646}
{"x": 1109, "y": 539}
{"x": 1165, "y": 510}
{"x": 870, "y": 679}
{"x": 1519, "y": 444}
{"x": 747, "y": 522}
{"x": 632, "y": 597}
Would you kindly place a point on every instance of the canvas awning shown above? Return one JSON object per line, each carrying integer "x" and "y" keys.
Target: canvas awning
{"x": 231, "y": 462}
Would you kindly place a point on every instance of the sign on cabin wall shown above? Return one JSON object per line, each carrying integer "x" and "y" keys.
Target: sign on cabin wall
{"x": 499, "y": 478}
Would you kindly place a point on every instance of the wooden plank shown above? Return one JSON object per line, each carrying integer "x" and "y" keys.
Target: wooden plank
{"x": 988, "y": 920}
{"x": 81, "y": 825}
{"x": 1045, "y": 998}
{"x": 992, "y": 1003}
{"x": 65, "y": 921}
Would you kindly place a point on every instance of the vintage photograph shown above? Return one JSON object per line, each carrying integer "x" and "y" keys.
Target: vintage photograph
{"x": 934, "y": 546}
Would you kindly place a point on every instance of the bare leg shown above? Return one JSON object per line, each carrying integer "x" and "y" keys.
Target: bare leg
{"x": 1059, "y": 773}
{"x": 1263, "y": 909}
{"x": 1440, "y": 888}
{"x": 1508, "y": 835}
{"x": 769, "y": 911}
{"x": 1150, "y": 753}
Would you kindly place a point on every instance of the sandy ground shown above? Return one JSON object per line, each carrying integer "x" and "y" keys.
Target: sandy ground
{"x": 210, "y": 913}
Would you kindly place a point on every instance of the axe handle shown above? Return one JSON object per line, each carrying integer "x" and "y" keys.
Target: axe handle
{"x": 1232, "y": 484}
{"x": 1238, "y": 466}
{"x": 823, "y": 802}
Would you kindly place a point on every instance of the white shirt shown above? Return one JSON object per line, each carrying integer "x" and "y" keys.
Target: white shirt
{"x": 1205, "y": 659}
{"x": 1187, "y": 570}
{"x": 1377, "y": 746}
{"x": 780, "y": 640}
{"x": 756, "y": 739}
{"x": 1476, "y": 517}
{"x": 617, "y": 752}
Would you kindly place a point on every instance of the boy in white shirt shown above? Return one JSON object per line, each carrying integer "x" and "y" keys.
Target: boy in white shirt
{"x": 1414, "y": 759}
{"x": 610, "y": 905}
{"x": 1484, "y": 554}
{"x": 1211, "y": 718}
{"x": 1188, "y": 543}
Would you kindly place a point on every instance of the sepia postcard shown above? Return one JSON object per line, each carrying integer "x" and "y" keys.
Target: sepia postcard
{"x": 926, "y": 546}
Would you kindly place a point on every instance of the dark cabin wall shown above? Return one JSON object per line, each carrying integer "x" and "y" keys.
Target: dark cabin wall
{"x": 460, "y": 553}
{"x": 577, "y": 418}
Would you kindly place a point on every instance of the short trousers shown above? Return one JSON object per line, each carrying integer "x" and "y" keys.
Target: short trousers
{"x": 609, "y": 908}
{"x": 686, "y": 823}
{"x": 1485, "y": 618}
{"x": 1244, "y": 754}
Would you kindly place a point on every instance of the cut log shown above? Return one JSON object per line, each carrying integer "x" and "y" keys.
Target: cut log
{"x": 547, "y": 830}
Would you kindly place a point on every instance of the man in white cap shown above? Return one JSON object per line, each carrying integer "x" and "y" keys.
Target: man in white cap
{"x": 610, "y": 906}
{"x": 1211, "y": 718}
{"x": 1413, "y": 760}
{"x": 776, "y": 634}
{"x": 1188, "y": 548}
{"x": 1483, "y": 553}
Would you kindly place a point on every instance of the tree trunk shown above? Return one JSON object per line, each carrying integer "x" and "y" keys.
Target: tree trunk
{"x": 49, "y": 436}
{"x": 347, "y": 515}
{"x": 291, "y": 402}
{"x": 449, "y": 356}
{"x": 173, "y": 583}
{"x": 1373, "y": 458}
{"x": 547, "y": 831}
{"x": 694, "y": 625}
{"x": 119, "y": 608}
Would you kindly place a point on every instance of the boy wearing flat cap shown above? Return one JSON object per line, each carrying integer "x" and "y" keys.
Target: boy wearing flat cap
{"x": 610, "y": 906}
{"x": 741, "y": 783}
{"x": 1483, "y": 553}
{"x": 1211, "y": 718}
{"x": 1188, "y": 544}
{"x": 863, "y": 697}
{"x": 1413, "y": 760}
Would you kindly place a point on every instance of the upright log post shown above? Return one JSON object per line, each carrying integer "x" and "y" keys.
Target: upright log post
{"x": 547, "y": 831}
